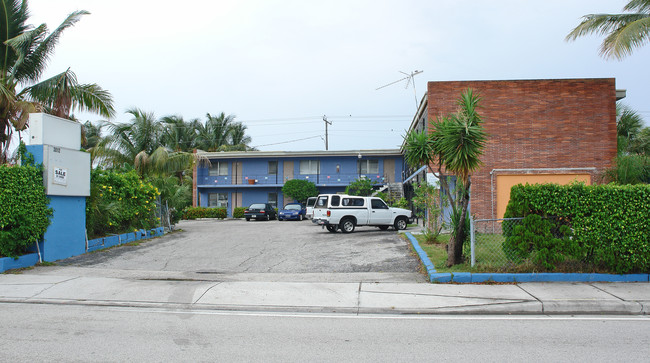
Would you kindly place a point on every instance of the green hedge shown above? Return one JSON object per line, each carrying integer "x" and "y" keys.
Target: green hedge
{"x": 610, "y": 224}
{"x": 119, "y": 203}
{"x": 24, "y": 216}
{"x": 238, "y": 212}
{"x": 202, "y": 212}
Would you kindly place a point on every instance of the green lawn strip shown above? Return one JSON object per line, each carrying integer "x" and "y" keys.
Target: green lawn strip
{"x": 491, "y": 258}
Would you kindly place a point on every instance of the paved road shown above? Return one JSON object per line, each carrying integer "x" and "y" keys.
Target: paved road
{"x": 227, "y": 247}
{"x": 74, "y": 333}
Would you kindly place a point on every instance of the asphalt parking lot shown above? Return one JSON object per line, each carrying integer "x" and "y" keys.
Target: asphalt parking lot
{"x": 226, "y": 247}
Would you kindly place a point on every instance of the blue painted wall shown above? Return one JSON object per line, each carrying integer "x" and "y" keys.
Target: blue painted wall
{"x": 66, "y": 235}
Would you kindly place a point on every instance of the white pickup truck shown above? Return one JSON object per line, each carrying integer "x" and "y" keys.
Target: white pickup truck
{"x": 345, "y": 212}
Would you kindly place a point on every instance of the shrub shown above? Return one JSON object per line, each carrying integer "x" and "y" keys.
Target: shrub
{"x": 299, "y": 189}
{"x": 542, "y": 240}
{"x": 119, "y": 202}
{"x": 203, "y": 212}
{"x": 361, "y": 187}
{"x": 609, "y": 222}
{"x": 238, "y": 212}
{"x": 24, "y": 216}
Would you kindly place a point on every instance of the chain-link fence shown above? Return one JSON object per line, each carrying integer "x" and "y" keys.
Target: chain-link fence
{"x": 487, "y": 241}
{"x": 163, "y": 215}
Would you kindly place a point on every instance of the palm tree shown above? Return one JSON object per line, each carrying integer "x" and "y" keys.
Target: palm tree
{"x": 455, "y": 144}
{"x": 628, "y": 125}
{"x": 24, "y": 52}
{"x": 138, "y": 144}
{"x": 214, "y": 134}
{"x": 178, "y": 134}
{"x": 238, "y": 139}
{"x": 624, "y": 32}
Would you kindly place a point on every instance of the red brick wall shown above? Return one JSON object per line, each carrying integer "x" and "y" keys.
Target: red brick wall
{"x": 568, "y": 123}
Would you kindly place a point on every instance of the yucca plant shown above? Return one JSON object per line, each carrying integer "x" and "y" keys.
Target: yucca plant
{"x": 455, "y": 144}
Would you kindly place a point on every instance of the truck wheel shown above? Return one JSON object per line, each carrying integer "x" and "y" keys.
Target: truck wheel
{"x": 347, "y": 225}
{"x": 331, "y": 228}
{"x": 400, "y": 223}
{"x": 383, "y": 228}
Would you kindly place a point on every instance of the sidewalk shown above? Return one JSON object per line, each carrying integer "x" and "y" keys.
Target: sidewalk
{"x": 341, "y": 297}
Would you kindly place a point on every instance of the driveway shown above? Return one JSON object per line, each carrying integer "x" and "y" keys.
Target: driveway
{"x": 236, "y": 249}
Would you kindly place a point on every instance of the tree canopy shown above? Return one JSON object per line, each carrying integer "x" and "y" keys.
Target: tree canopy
{"x": 623, "y": 32}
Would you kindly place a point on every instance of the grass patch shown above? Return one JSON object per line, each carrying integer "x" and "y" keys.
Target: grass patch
{"x": 491, "y": 258}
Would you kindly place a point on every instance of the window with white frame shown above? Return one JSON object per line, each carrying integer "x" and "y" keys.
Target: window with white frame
{"x": 218, "y": 200}
{"x": 218, "y": 168}
{"x": 308, "y": 167}
{"x": 368, "y": 166}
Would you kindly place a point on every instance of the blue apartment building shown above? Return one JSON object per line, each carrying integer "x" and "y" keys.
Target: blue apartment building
{"x": 239, "y": 179}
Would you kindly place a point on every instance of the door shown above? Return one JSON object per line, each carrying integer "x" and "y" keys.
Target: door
{"x": 379, "y": 212}
{"x": 506, "y": 182}
{"x": 236, "y": 172}
{"x": 287, "y": 171}
{"x": 236, "y": 202}
{"x": 389, "y": 170}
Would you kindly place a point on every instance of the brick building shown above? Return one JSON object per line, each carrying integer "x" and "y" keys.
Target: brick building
{"x": 540, "y": 131}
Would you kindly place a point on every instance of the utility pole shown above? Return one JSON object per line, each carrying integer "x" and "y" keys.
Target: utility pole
{"x": 326, "y": 123}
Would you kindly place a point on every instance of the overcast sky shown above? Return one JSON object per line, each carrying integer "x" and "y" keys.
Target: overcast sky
{"x": 279, "y": 66}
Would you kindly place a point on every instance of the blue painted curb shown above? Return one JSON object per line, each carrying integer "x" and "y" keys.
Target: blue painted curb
{"x": 428, "y": 265}
{"x": 10, "y": 263}
{"x": 468, "y": 277}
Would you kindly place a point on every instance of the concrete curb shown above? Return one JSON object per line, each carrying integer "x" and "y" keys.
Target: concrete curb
{"x": 468, "y": 277}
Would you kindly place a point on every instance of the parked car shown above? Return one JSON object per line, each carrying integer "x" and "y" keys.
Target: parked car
{"x": 294, "y": 211}
{"x": 345, "y": 212}
{"x": 260, "y": 211}
{"x": 309, "y": 207}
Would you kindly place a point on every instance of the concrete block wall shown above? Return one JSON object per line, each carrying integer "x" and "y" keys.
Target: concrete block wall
{"x": 561, "y": 123}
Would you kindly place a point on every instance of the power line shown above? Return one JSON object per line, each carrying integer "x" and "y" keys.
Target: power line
{"x": 286, "y": 142}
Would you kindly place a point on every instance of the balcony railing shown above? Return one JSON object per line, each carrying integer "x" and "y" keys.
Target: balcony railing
{"x": 266, "y": 179}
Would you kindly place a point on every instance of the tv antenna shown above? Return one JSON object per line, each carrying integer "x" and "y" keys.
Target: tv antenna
{"x": 409, "y": 80}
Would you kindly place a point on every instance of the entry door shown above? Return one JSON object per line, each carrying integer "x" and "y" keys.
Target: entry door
{"x": 236, "y": 202}
{"x": 236, "y": 172}
{"x": 287, "y": 171}
{"x": 389, "y": 170}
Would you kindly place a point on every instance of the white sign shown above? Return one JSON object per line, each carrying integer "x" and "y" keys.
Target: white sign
{"x": 60, "y": 176}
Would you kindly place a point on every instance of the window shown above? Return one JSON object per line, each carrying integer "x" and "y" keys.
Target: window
{"x": 218, "y": 200}
{"x": 368, "y": 166}
{"x": 352, "y": 202}
{"x": 308, "y": 167}
{"x": 378, "y": 204}
{"x": 218, "y": 168}
{"x": 336, "y": 200}
{"x": 322, "y": 202}
{"x": 273, "y": 199}
{"x": 273, "y": 168}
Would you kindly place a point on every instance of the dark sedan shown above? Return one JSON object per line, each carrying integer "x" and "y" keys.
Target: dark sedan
{"x": 260, "y": 211}
{"x": 294, "y": 211}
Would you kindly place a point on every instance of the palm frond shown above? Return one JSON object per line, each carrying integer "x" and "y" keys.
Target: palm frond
{"x": 622, "y": 41}
{"x": 13, "y": 21}
{"x": 34, "y": 63}
{"x": 640, "y": 6}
